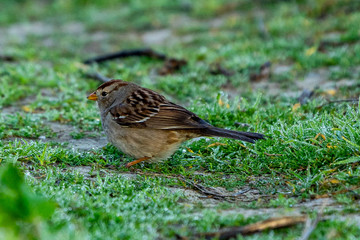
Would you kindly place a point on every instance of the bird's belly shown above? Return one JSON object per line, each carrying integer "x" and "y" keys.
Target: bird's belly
{"x": 138, "y": 143}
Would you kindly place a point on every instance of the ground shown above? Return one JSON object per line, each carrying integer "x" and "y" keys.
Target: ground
{"x": 281, "y": 68}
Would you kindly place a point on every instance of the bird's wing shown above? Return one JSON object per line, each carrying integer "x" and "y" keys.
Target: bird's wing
{"x": 147, "y": 109}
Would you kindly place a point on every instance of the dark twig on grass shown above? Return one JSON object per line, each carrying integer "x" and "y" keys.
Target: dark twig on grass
{"x": 170, "y": 64}
{"x": 7, "y": 58}
{"x": 337, "y": 101}
{"x": 241, "y": 192}
{"x": 208, "y": 193}
{"x": 147, "y": 52}
{"x": 204, "y": 190}
{"x": 272, "y": 223}
{"x": 212, "y": 194}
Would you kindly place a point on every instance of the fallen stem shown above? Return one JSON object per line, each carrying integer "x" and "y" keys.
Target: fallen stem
{"x": 311, "y": 225}
{"x": 147, "y": 52}
{"x": 272, "y": 223}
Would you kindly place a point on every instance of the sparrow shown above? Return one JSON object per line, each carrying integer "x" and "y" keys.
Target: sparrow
{"x": 145, "y": 125}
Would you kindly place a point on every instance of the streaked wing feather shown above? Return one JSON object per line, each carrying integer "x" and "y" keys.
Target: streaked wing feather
{"x": 172, "y": 116}
{"x": 145, "y": 108}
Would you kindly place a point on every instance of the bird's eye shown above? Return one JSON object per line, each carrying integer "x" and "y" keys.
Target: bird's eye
{"x": 104, "y": 94}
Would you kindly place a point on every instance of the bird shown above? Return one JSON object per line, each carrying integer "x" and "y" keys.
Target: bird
{"x": 146, "y": 126}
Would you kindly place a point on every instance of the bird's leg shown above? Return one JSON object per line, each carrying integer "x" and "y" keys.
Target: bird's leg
{"x": 136, "y": 161}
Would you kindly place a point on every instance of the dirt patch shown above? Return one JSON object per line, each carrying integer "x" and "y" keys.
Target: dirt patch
{"x": 16, "y": 106}
{"x": 86, "y": 144}
{"x": 317, "y": 79}
{"x": 191, "y": 197}
{"x": 91, "y": 173}
{"x": 63, "y": 133}
{"x": 271, "y": 88}
{"x": 313, "y": 79}
{"x": 20, "y": 31}
{"x": 318, "y": 205}
{"x": 156, "y": 37}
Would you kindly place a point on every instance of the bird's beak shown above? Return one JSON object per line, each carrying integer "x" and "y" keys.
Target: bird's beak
{"x": 92, "y": 97}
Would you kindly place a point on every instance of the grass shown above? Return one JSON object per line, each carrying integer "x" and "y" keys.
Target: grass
{"x": 310, "y": 151}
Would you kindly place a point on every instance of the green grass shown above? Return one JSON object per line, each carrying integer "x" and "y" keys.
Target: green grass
{"x": 310, "y": 151}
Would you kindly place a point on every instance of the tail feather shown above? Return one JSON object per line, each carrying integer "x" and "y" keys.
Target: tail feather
{"x": 244, "y": 136}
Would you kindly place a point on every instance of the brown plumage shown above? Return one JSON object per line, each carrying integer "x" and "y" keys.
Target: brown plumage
{"x": 145, "y": 125}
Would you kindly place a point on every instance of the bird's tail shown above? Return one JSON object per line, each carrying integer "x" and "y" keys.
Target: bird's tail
{"x": 244, "y": 136}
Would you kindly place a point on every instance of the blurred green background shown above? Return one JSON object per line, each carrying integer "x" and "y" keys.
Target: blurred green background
{"x": 68, "y": 185}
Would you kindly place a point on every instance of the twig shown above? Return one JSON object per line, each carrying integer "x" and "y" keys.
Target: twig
{"x": 241, "y": 192}
{"x": 337, "y": 101}
{"x": 328, "y": 195}
{"x": 213, "y": 194}
{"x": 97, "y": 76}
{"x": 7, "y": 58}
{"x": 311, "y": 225}
{"x": 309, "y": 228}
{"x": 147, "y": 52}
{"x": 272, "y": 223}
{"x": 41, "y": 176}
{"x": 200, "y": 188}
{"x": 170, "y": 64}
{"x": 203, "y": 190}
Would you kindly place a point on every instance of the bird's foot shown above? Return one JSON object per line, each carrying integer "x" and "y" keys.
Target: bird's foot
{"x": 136, "y": 161}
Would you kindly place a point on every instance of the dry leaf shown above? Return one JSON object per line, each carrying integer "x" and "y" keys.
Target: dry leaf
{"x": 217, "y": 144}
{"x": 334, "y": 181}
{"x": 242, "y": 145}
{"x": 330, "y": 181}
{"x": 310, "y": 51}
{"x": 220, "y": 102}
{"x": 320, "y": 135}
{"x": 271, "y": 223}
{"x": 189, "y": 150}
{"x": 331, "y": 92}
{"x": 26, "y": 108}
{"x": 330, "y": 147}
{"x": 295, "y": 106}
